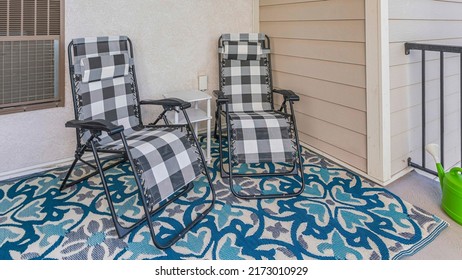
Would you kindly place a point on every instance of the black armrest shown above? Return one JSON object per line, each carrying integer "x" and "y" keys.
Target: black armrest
{"x": 221, "y": 98}
{"x": 288, "y": 94}
{"x": 96, "y": 125}
{"x": 168, "y": 103}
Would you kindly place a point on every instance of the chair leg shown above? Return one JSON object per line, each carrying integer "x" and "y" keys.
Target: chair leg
{"x": 118, "y": 227}
{"x": 63, "y": 184}
{"x": 78, "y": 155}
{"x": 217, "y": 119}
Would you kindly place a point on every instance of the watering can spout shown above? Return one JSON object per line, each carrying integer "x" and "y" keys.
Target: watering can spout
{"x": 433, "y": 150}
{"x": 441, "y": 174}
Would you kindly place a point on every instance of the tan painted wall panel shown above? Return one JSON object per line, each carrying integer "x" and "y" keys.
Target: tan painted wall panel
{"x": 333, "y": 134}
{"x": 279, "y": 2}
{"x": 344, "y": 117}
{"x": 354, "y": 120}
{"x": 346, "y": 52}
{"x": 337, "y": 30}
{"x": 330, "y": 10}
{"x": 347, "y": 96}
{"x": 349, "y": 74}
{"x": 342, "y": 155}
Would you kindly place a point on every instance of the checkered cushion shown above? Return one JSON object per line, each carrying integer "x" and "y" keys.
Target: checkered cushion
{"x": 246, "y": 83}
{"x": 242, "y": 50}
{"x": 166, "y": 159}
{"x": 104, "y": 67}
{"x": 110, "y": 99}
{"x": 261, "y": 137}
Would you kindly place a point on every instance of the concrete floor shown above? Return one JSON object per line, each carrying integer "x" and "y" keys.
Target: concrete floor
{"x": 426, "y": 194}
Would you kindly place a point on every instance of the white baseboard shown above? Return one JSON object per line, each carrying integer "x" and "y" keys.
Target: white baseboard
{"x": 34, "y": 169}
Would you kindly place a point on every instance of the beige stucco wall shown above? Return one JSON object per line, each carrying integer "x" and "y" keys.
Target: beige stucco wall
{"x": 174, "y": 40}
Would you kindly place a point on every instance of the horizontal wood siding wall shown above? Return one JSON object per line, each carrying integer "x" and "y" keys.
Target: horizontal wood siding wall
{"x": 424, "y": 21}
{"x": 319, "y": 52}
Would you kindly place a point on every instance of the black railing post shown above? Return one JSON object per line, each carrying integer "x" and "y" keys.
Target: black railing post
{"x": 424, "y": 113}
{"x": 442, "y": 106}
{"x": 442, "y": 49}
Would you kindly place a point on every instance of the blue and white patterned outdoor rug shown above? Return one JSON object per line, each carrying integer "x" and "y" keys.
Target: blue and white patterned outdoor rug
{"x": 339, "y": 216}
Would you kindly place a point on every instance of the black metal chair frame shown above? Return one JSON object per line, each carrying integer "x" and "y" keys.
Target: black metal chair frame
{"x": 289, "y": 98}
{"x": 96, "y": 127}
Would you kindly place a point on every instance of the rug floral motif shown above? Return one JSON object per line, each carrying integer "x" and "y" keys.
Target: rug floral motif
{"x": 340, "y": 215}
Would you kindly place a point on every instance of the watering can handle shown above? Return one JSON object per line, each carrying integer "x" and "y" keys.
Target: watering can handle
{"x": 456, "y": 170}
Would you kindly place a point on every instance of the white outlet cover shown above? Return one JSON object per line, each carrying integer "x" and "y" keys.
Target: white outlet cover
{"x": 202, "y": 82}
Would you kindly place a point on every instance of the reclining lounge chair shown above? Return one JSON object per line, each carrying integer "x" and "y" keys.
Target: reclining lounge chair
{"x": 255, "y": 131}
{"x": 165, "y": 159}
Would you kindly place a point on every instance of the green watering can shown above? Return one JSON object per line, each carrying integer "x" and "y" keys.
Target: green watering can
{"x": 451, "y": 186}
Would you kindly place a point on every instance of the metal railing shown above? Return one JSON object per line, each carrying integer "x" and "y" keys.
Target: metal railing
{"x": 442, "y": 49}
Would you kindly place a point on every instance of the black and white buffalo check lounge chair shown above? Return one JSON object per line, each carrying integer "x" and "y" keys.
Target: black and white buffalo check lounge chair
{"x": 166, "y": 159}
{"x": 256, "y": 132}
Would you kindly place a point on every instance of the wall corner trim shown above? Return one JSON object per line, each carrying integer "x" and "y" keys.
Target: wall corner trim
{"x": 378, "y": 90}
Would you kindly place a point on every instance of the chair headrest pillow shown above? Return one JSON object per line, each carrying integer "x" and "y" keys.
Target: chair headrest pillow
{"x": 239, "y": 50}
{"x": 104, "y": 67}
